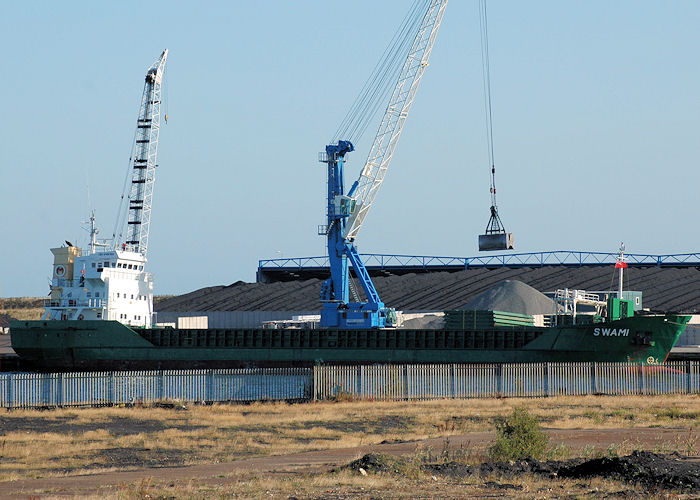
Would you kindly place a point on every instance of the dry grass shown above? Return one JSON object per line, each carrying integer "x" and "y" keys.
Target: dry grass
{"x": 32, "y": 308}
{"x": 346, "y": 484}
{"x": 37, "y": 443}
{"x": 22, "y": 308}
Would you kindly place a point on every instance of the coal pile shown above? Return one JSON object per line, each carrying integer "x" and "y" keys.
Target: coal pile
{"x": 665, "y": 289}
{"x": 653, "y": 471}
{"x": 527, "y": 466}
{"x": 376, "y": 463}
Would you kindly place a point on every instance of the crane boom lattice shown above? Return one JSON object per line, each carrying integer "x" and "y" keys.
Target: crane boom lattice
{"x": 145, "y": 160}
{"x": 372, "y": 175}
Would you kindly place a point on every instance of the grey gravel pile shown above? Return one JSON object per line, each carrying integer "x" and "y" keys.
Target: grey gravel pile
{"x": 511, "y": 296}
{"x": 427, "y": 322}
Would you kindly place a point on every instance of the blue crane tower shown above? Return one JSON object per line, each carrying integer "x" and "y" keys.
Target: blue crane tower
{"x": 346, "y": 211}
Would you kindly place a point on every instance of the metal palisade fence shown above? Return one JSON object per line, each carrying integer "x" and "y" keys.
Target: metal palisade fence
{"x": 26, "y": 390}
{"x": 407, "y": 382}
{"x": 384, "y": 382}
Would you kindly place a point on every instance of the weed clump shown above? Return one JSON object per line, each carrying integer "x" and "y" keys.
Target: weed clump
{"x": 379, "y": 463}
{"x": 518, "y": 436}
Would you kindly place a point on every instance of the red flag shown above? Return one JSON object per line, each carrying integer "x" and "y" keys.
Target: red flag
{"x": 620, "y": 264}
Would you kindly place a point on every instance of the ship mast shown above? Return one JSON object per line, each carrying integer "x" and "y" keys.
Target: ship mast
{"x": 93, "y": 235}
{"x": 620, "y": 265}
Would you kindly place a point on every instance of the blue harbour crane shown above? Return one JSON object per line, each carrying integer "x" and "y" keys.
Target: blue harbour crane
{"x": 346, "y": 211}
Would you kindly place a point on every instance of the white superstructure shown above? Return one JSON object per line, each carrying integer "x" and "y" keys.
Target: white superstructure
{"x": 108, "y": 285}
{"x": 109, "y": 282}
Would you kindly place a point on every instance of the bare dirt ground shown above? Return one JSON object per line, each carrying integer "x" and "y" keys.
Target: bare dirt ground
{"x": 150, "y": 482}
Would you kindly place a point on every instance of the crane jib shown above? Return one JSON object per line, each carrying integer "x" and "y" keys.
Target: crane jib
{"x": 346, "y": 212}
{"x": 138, "y": 211}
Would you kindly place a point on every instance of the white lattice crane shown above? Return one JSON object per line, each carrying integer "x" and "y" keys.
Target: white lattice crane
{"x": 113, "y": 284}
{"x": 365, "y": 189}
{"x": 144, "y": 162}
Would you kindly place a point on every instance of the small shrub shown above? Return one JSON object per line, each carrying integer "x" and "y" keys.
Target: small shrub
{"x": 593, "y": 415}
{"x": 518, "y": 436}
{"x": 588, "y": 452}
{"x": 622, "y": 413}
{"x": 614, "y": 450}
{"x": 341, "y": 396}
{"x": 560, "y": 452}
{"x": 674, "y": 413}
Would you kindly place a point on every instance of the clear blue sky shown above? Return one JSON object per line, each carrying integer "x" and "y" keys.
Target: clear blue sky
{"x": 596, "y": 124}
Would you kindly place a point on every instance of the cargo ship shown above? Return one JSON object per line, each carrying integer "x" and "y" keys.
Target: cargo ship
{"x": 111, "y": 345}
{"x": 99, "y": 317}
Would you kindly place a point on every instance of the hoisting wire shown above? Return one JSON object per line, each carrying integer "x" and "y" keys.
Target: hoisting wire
{"x": 164, "y": 98}
{"x": 377, "y": 87}
{"x": 121, "y": 213}
{"x": 494, "y": 225}
{"x": 378, "y": 84}
{"x": 486, "y": 75}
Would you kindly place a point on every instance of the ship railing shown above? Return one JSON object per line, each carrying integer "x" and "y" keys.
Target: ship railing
{"x": 578, "y": 295}
{"x": 92, "y": 303}
{"x": 117, "y": 274}
{"x": 568, "y": 301}
{"x": 106, "y": 273}
{"x": 62, "y": 283}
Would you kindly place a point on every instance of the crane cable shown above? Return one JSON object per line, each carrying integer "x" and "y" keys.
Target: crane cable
{"x": 377, "y": 87}
{"x": 118, "y": 231}
{"x": 486, "y": 75}
{"x": 164, "y": 96}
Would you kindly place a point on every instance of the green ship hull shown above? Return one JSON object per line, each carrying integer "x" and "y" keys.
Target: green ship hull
{"x": 110, "y": 345}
